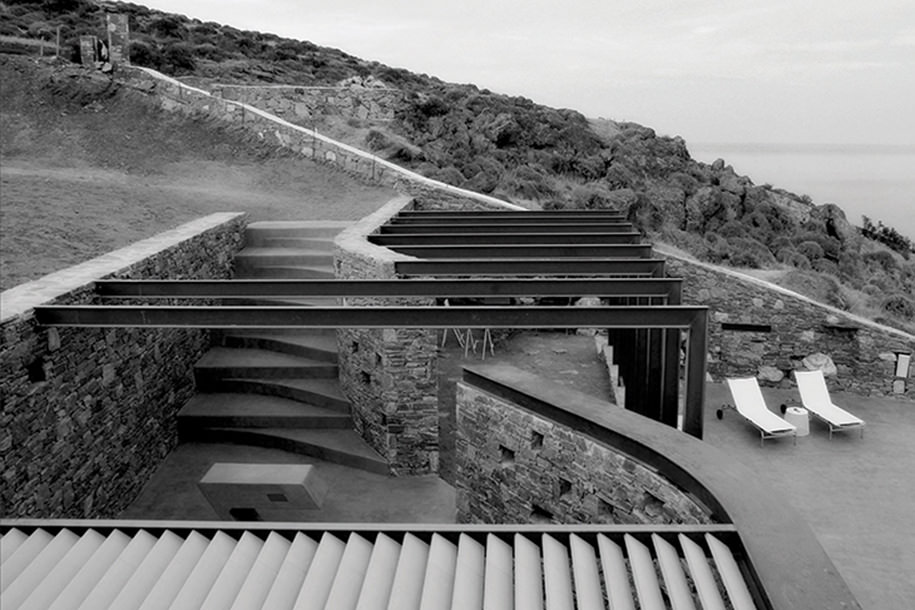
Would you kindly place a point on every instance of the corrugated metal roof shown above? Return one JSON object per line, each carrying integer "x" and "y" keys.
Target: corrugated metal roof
{"x": 178, "y": 567}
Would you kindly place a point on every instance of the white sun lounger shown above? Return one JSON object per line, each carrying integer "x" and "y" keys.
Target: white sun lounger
{"x": 815, "y": 398}
{"x": 749, "y": 402}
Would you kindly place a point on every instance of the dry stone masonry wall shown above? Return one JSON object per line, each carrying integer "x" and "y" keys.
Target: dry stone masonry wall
{"x": 516, "y": 466}
{"x": 388, "y": 375}
{"x": 756, "y": 329}
{"x": 300, "y": 105}
{"x": 88, "y": 414}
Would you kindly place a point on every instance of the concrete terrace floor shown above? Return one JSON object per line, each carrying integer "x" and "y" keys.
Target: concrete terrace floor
{"x": 857, "y": 494}
{"x": 353, "y": 495}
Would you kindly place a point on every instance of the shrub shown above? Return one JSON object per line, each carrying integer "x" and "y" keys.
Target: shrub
{"x": 592, "y": 197}
{"x": 899, "y": 305}
{"x": 144, "y": 54}
{"x": 178, "y": 57}
{"x": 169, "y": 26}
{"x": 733, "y": 229}
{"x": 528, "y": 182}
{"x": 785, "y": 255}
{"x": 448, "y": 175}
{"x": 799, "y": 261}
{"x": 881, "y": 260}
{"x": 811, "y": 249}
{"x": 824, "y": 265}
{"x": 748, "y": 252}
{"x": 209, "y": 51}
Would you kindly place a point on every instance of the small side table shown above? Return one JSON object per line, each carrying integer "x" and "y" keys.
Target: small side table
{"x": 799, "y": 417}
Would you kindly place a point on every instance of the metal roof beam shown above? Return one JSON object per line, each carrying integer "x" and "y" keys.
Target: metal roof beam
{"x": 653, "y": 267}
{"x": 507, "y": 227}
{"x": 238, "y": 317}
{"x": 440, "y": 288}
{"x": 528, "y": 250}
{"x": 470, "y": 238}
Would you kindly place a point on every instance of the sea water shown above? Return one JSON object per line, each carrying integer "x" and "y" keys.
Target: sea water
{"x": 873, "y": 181}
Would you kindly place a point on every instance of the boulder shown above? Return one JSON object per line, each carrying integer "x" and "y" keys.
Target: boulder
{"x": 770, "y": 374}
{"x": 836, "y": 224}
{"x": 820, "y": 362}
{"x": 588, "y": 302}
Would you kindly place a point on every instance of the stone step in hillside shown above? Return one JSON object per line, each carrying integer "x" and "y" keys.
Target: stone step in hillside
{"x": 338, "y": 446}
{"x": 325, "y": 244}
{"x": 225, "y": 363}
{"x": 313, "y": 346}
{"x": 251, "y": 411}
{"x": 257, "y": 232}
{"x": 253, "y": 258}
{"x": 294, "y": 272}
{"x": 320, "y": 392}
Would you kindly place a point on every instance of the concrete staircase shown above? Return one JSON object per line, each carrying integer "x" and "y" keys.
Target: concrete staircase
{"x": 279, "y": 389}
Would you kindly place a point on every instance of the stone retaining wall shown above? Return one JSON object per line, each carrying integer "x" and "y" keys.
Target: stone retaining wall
{"x": 517, "y": 466}
{"x": 88, "y": 414}
{"x": 301, "y": 104}
{"x": 756, "y": 328}
{"x": 390, "y": 376}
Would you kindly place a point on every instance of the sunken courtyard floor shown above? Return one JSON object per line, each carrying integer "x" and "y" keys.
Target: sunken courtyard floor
{"x": 857, "y": 494}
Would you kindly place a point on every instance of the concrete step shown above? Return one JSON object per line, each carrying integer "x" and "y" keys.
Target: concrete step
{"x": 321, "y": 347}
{"x": 252, "y": 258}
{"x": 320, "y": 392}
{"x": 293, "y": 272}
{"x": 339, "y": 446}
{"x": 223, "y": 363}
{"x": 250, "y": 411}
{"x": 323, "y": 244}
{"x": 295, "y": 228}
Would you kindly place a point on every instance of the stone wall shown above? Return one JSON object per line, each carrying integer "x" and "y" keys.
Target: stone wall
{"x": 756, "y": 328}
{"x": 300, "y": 105}
{"x": 88, "y": 414}
{"x": 388, "y": 375}
{"x": 175, "y": 95}
{"x": 517, "y": 466}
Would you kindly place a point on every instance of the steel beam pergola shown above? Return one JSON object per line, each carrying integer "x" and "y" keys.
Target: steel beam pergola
{"x": 692, "y": 320}
{"x": 496, "y": 239}
{"x": 568, "y": 226}
{"x": 527, "y": 251}
{"x": 538, "y": 215}
{"x": 651, "y": 267}
{"x": 666, "y": 289}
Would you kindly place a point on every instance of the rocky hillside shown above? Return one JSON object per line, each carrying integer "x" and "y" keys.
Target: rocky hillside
{"x": 527, "y": 153}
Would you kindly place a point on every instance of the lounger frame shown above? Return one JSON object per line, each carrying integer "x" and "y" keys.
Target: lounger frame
{"x": 833, "y": 427}
{"x": 763, "y": 434}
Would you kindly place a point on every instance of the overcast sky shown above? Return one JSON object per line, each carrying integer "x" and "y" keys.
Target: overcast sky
{"x": 768, "y": 71}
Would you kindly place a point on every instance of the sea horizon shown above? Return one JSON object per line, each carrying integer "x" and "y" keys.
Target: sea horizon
{"x": 873, "y": 180}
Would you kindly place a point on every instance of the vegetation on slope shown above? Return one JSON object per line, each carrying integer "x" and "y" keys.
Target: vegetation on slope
{"x": 539, "y": 156}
